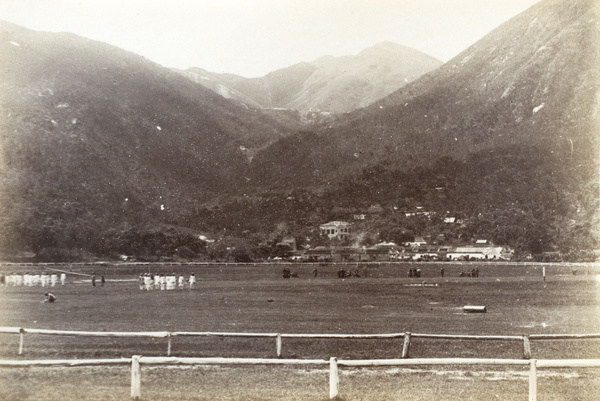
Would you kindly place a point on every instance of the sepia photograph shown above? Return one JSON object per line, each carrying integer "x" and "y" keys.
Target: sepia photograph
{"x": 282, "y": 200}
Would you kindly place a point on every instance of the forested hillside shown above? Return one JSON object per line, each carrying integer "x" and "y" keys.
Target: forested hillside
{"x": 94, "y": 138}
{"x": 104, "y": 153}
{"x": 519, "y": 113}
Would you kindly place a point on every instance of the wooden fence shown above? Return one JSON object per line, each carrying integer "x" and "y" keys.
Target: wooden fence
{"x": 137, "y": 361}
{"x": 525, "y": 339}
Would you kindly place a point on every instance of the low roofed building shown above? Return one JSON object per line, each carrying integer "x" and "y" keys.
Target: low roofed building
{"x": 335, "y": 229}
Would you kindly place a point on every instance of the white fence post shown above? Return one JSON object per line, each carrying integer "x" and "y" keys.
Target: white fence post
{"x": 334, "y": 378}
{"x": 406, "y": 346}
{"x": 21, "y": 339}
{"x": 169, "y": 344}
{"x": 526, "y": 347}
{"x": 533, "y": 380}
{"x": 278, "y": 343}
{"x": 136, "y": 378}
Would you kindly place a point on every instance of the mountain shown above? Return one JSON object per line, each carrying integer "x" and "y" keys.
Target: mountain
{"x": 533, "y": 81}
{"x": 105, "y": 152}
{"x": 90, "y": 132}
{"x": 505, "y": 135}
{"x": 328, "y": 84}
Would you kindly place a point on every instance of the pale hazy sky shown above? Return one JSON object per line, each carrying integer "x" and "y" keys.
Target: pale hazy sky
{"x": 254, "y": 37}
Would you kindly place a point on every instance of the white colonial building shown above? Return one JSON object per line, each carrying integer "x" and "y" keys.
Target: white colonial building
{"x": 335, "y": 229}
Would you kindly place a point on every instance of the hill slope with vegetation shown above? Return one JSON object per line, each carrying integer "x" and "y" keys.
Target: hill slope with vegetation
{"x": 521, "y": 106}
{"x": 104, "y": 153}
{"x": 94, "y": 137}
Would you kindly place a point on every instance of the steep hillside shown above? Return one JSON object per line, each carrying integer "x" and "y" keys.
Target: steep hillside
{"x": 93, "y": 132}
{"x": 328, "y": 84}
{"x": 505, "y": 135}
{"x": 532, "y": 81}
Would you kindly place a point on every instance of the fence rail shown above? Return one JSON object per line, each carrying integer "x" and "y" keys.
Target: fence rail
{"x": 407, "y": 336}
{"x": 137, "y": 361}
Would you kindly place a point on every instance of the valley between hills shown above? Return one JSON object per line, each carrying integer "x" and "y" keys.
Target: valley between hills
{"x": 106, "y": 154}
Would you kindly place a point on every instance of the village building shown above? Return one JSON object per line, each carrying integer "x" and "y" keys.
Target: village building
{"x": 287, "y": 244}
{"x": 375, "y": 209}
{"x": 335, "y": 229}
{"x": 479, "y": 252}
{"x": 418, "y": 211}
{"x": 416, "y": 243}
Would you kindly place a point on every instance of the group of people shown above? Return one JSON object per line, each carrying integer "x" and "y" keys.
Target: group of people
{"x": 343, "y": 273}
{"x": 287, "y": 273}
{"x": 474, "y": 272}
{"x": 151, "y": 282}
{"x": 414, "y": 272}
{"x": 33, "y": 279}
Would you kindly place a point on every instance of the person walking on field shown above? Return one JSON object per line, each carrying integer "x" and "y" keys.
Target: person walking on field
{"x": 192, "y": 281}
{"x": 63, "y": 278}
{"x": 93, "y": 279}
{"x": 181, "y": 281}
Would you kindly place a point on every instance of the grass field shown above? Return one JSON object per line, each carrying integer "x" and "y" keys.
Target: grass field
{"x": 257, "y": 299}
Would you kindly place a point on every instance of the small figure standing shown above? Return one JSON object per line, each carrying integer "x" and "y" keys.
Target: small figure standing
{"x": 53, "y": 279}
{"x": 181, "y": 281}
{"x": 102, "y": 281}
{"x": 50, "y": 298}
{"x": 93, "y": 279}
{"x": 442, "y": 272}
{"x": 315, "y": 272}
{"x": 171, "y": 281}
{"x": 149, "y": 282}
{"x": 192, "y": 281}
{"x": 63, "y": 278}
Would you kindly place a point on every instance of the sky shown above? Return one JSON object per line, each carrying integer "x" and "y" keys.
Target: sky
{"x": 254, "y": 37}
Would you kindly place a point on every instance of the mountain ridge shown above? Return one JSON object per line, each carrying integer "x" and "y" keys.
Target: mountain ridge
{"x": 328, "y": 84}
{"x": 502, "y": 90}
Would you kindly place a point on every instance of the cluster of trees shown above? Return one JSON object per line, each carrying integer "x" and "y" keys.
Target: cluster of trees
{"x": 521, "y": 197}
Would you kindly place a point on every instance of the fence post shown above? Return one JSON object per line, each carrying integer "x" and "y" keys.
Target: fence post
{"x": 21, "y": 339}
{"x": 406, "y": 346}
{"x": 136, "y": 378}
{"x": 278, "y": 344}
{"x": 532, "y": 380}
{"x": 334, "y": 378}
{"x": 169, "y": 344}
{"x": 526, "y": 347}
